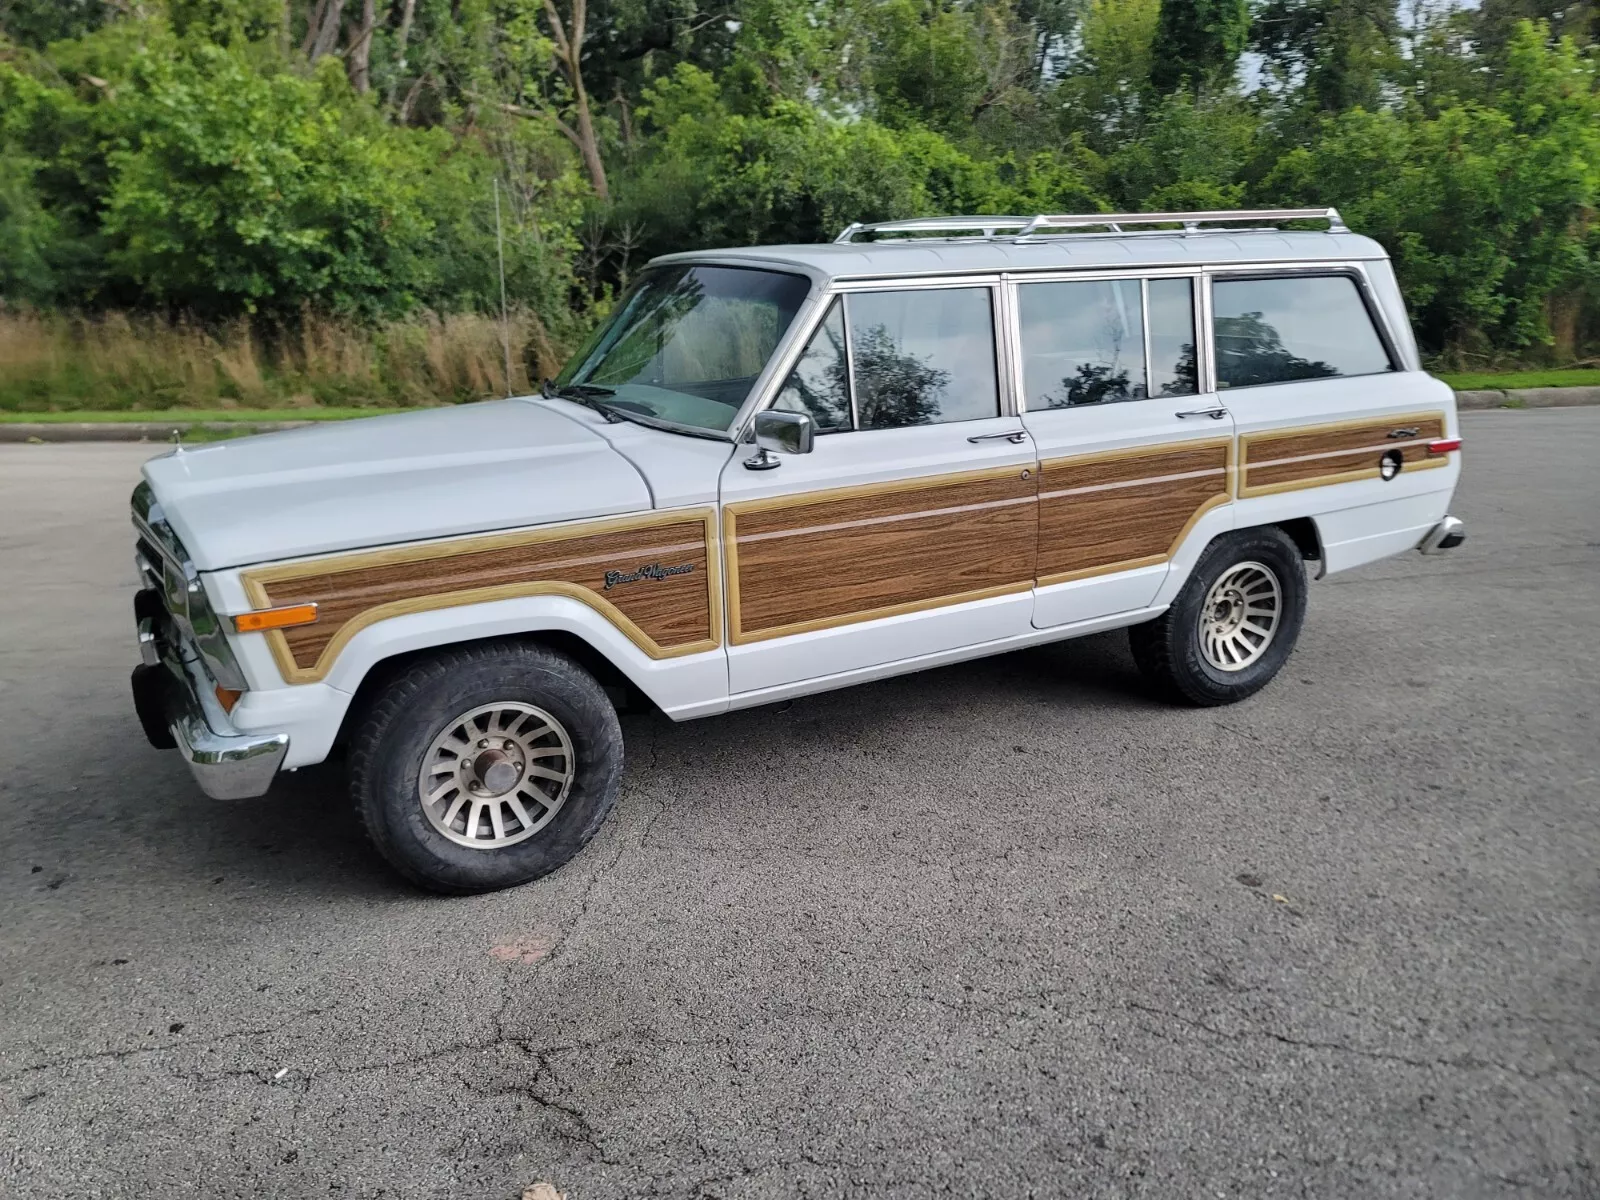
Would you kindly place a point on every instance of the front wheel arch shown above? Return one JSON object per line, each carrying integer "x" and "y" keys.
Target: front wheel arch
{"x": 624, "y": 692}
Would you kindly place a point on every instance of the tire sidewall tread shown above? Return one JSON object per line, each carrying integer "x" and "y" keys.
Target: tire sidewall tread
{"x": 1168, "y": 649}
{"x": 394, "y": 734}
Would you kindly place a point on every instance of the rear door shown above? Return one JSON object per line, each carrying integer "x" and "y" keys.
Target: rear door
{"x": 1330, "y": 424}
{"x": 909, "y": 529}
{"x": 1134, "y": 457}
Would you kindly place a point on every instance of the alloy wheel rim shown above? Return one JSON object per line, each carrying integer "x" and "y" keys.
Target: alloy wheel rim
{"x": 496, "y": 775}
{"x": 1240, "y": 616}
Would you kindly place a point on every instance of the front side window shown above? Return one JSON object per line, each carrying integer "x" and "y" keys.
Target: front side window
{"x": 923, "y": 357}
{"x": 1291, "y": 328}
{"x": 819, "y": 385}
{"x": 907, "y": 357}
{"x": 687, "y": 343}
{"x": 1095, "y": 341}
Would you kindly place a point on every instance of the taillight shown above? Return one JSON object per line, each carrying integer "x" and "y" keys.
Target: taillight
{"x": 1444, "y": 445}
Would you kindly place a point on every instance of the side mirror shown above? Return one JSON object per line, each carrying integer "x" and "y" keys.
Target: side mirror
{"x": 780, "y": 432}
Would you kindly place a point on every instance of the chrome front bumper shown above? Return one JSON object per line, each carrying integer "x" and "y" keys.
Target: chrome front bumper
{"x": 178, "y": 707}
{"x": 1446, "y": 535}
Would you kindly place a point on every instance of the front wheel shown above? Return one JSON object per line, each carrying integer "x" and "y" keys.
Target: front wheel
{"x": 486, "y": 766}
{"x": 1233, "y": 625}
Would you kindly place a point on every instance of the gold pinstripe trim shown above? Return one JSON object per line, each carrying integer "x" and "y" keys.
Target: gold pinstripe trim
{"x": 1224, "y": 496}
{"x": 1264, "y": 436}
{"x": 257, "y": 581}
{"x": 730, "y": 541}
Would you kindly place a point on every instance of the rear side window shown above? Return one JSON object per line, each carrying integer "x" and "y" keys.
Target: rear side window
{"x": 1098, "y": 341}
{"x": 1292, "y": 328}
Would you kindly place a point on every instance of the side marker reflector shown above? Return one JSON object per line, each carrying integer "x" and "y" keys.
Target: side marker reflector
{"x": 1444, "y": 445}
{"x": 275, "y": 618}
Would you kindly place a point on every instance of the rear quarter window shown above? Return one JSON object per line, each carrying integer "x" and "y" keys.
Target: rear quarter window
{"x": 1293, "y": 328}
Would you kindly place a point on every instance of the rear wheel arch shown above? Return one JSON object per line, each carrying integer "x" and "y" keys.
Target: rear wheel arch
{"x": 1306, "y": 536}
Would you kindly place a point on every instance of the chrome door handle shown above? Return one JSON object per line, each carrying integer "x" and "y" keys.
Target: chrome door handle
{"x": 1402, "y": 433}
{"x": 1016, "y": 437}
{"x": 1216, "y": 414}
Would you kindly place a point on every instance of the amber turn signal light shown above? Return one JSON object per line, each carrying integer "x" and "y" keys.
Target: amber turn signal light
{"x": 227, "y": 697}
{"x": 275, "y": 618}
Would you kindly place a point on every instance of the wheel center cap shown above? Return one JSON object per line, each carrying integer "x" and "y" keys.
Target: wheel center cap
{"x": 496, "y": 772}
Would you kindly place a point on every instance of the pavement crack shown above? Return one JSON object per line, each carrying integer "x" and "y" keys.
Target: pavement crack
{"x": 118, "y": 1055}
{"x": 1462, "y": 1063}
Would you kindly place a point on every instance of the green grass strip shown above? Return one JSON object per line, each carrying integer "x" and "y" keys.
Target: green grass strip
{"x": 1468, "y": 382}
{"x": 244, "y": 416}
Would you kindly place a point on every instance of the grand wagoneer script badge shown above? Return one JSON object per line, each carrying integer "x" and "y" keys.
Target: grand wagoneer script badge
{"x": 653, "y": 571}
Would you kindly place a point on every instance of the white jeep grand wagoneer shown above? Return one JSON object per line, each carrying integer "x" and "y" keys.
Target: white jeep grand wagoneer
{"x": 784, "y": 469}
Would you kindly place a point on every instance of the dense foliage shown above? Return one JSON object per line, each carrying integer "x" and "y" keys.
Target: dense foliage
{"x": 212, "y": 160}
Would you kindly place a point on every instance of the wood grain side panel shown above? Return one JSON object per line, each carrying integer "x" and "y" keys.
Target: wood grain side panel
{"x": 1321, "y": 455}
{"x": 677, "y": 610}
{"x": 1125, "y": 510}
{"x": 866, "y": 504}
{"x": 838, "y": 558}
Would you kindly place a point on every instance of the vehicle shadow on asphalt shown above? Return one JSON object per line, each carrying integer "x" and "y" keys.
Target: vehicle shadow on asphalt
{"x": 304, "y": 835}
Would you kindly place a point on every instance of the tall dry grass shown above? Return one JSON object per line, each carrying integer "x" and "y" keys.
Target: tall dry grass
{"x": 54, "y": 363}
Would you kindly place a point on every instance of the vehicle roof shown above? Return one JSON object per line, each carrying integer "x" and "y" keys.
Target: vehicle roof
{"x": 970, "y": 255}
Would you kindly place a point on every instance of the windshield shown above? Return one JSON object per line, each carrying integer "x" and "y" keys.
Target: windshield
{"x": 687, "y": 342}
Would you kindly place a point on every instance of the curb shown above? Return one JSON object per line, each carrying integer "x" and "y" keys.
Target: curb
{"x": 134, "y": 431}
{"x": 1529, "y": 398}
{"x": 162, "y": 431}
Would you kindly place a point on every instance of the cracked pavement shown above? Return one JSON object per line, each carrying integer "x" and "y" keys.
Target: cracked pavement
{"x": 1004, "y": 929}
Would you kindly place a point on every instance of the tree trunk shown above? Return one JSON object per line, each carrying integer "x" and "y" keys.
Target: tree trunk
{"x": 359, "y": 55}
{"x": 406, "y": 13}
{"x": 327, "y": 35}
{"x": 568, "y": 40}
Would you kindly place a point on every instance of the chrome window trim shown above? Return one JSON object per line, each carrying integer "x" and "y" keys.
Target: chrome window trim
{"x": 1193, "y": 274}
{"x": 1008, "y": 361}
{"x": 764, "y": 394}
{"x": 1008, "y": 315}
{"x": 849, "y": 361}
{"x": 1349, "y": 270}
{"x": 1144, "y": 312}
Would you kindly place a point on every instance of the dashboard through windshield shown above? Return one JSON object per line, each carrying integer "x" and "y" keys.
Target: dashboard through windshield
{"x": 686, "y": 343}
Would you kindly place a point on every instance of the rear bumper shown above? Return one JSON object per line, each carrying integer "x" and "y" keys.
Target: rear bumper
{"x": 1446, "y": 535}
{"x": 178, "y": 708}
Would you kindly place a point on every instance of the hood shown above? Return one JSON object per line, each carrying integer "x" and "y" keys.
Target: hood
{"x": 471, "y": 468}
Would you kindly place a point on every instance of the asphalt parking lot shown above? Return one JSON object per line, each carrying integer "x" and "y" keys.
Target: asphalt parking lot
{"x": 1004, "y": 929}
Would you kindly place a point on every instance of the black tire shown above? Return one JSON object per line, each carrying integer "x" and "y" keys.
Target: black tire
{"x": 1169, "y": 649}
{"x": 418, "y": 704}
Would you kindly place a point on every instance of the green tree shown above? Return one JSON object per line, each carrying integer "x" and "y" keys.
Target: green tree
{"x": 1337, "y": 52}
{"x": 1198, "y": 42}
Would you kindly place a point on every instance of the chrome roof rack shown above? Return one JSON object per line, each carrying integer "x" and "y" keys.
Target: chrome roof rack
{"x": 1021, "y": 227}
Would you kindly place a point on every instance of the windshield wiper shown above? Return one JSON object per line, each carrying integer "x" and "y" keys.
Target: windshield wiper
{"x": 586, "y": 394}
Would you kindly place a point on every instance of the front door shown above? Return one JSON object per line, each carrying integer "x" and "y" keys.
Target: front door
{"x": 909, "y": 530}
{"x": 1133, "y": 457}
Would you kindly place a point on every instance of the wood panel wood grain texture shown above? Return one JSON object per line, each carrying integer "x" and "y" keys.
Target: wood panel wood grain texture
{"x": 820, "y": 559}
{"x": 1307, "y": 456}
{"x": 679, "y": 612}
{"x": 1124, "y": 509}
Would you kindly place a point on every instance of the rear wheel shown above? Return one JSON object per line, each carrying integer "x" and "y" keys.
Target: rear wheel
{"x": 486, "y": 767}
{"x": 1233, "y": 625}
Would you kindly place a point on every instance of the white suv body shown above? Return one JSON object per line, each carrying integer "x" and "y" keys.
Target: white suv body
{"x": 968, "y": 444}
